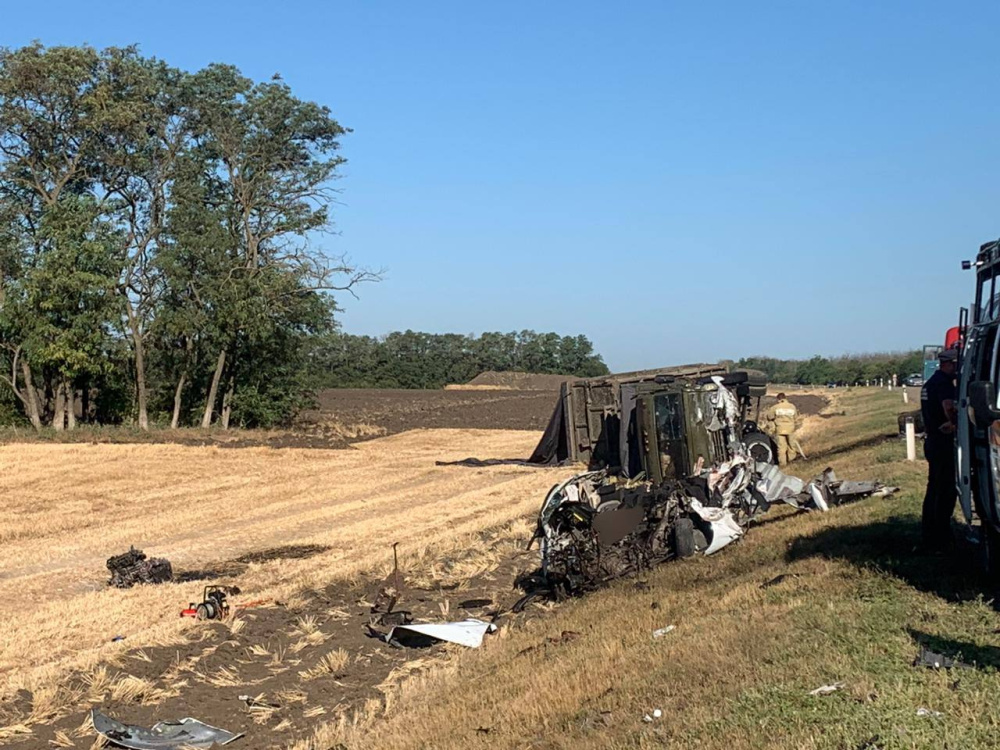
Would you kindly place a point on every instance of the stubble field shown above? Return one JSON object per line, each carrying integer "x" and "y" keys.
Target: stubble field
{"x": 804, "y": 600}
{"x": 305, "y": 533}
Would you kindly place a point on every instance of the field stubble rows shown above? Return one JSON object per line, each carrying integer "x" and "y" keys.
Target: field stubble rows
{"x": 68, "y": 508}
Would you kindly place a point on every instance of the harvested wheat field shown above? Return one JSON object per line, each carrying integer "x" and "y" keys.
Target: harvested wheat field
{"x": 276, "y": 522}
{"x": 804, "y": 600}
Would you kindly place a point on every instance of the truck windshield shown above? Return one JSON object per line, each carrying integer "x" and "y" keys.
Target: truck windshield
{"x": 669, "y": 434}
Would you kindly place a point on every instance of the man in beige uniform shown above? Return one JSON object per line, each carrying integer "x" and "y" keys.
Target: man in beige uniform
{"x": 784, "y": 415}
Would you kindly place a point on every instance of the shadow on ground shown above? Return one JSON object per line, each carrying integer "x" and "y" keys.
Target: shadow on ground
{"x": 893, "y": 546}
{"x": 235, "y": 567}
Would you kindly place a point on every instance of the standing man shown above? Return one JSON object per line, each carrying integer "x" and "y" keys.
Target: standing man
{"x": 937, "y": 406}
{"x": 784, "y": 415}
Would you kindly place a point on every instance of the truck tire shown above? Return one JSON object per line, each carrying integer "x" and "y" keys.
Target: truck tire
{"x": 684, "y": 542}
{"x": 760, "y": 447}
{"x": 739, "y": 377}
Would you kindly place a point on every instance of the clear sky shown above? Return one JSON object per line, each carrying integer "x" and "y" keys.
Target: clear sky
{"x": 679, "y": 181}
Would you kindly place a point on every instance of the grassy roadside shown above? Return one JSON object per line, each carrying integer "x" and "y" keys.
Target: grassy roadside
{"x": 853, "y": 605}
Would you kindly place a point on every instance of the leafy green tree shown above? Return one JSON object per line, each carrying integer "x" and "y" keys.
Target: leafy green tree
{"x": 275, "y": 156}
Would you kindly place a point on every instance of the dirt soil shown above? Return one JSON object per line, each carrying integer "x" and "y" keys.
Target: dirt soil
{"x": 808, "y": 404}
{"x": 343, "y": 416}
{"x": 301, "y": 664}
{"x": 273, "y": 522}
{"x": 525, "y": 381}
{"x": 388, "y": 411}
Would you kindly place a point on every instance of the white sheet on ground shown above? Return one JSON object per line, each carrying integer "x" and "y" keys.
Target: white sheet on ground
{"x": 465, "y": 633}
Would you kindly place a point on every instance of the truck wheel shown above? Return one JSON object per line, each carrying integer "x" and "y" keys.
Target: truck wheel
{"x": 739, "y": 377}
{"x": 684, "y": 542}
{"x": 759, "y": 447}
{"x": 735, "y": 378}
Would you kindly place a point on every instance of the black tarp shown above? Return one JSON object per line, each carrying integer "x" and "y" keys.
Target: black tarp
{"x": 553, "y": 448}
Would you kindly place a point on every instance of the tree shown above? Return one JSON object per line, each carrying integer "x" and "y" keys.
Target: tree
{"x": 158, "y": 239}
{"x": 51, "y": 110}
{"x": 144, "y": 135}
{"x": 273, "y": 157}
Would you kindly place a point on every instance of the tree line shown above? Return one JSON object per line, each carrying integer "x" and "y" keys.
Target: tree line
{"x": 425, "y": 360}
{"x": 160, "y": 238}
{"x": 849, "y": 369}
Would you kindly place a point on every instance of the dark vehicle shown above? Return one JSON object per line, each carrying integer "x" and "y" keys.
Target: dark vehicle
{"x": 977, "y": 441}
{"x": 612, "y": 422}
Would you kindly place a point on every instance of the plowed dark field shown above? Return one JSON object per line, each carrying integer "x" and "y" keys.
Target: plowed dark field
{"x": 400, "y": 410}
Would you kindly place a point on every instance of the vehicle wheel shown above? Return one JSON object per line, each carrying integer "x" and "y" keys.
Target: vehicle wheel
{"x": 684, "y": 541}
{"x": 735, "y": 378}
{"x": 205, "y": 611}
{"x": 759, "y": 447}
{"x": 739, "y": 377}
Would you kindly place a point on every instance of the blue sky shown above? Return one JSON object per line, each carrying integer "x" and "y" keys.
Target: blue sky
{"x": 678, "y": 181}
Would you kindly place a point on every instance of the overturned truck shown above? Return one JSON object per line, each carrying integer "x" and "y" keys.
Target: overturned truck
{"x": 601, "y": 421}
{"x": 677, "y": 467}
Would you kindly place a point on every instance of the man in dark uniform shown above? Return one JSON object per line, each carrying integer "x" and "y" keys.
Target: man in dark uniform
{"x": 937, "y": 403}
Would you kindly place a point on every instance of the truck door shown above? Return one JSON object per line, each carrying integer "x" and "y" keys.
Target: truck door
{"x": 963, "y": 442}
{"x": 974, "y": 459}
{"x": 661, "y": 436}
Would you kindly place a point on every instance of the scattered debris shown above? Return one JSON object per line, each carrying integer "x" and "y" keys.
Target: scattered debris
{"x": 933, "y": 660}
{"x": 926, "y": 712}
{"x": 214, "y": 604}
{"x": 383, "y": 612}
{"x": 132, "y": 567}
{"x": 468, "y": 632}
{"x": 118, "y": 638}
{"x": 663, "y": 631}
{"x": 650, "y": 718}
{"x": 776, "y": 580}
{"x": 164, "y": 735}
{"x": 828, "y": 689}
{"x": 258, "y": 703}
{"x": 475, "y": 603}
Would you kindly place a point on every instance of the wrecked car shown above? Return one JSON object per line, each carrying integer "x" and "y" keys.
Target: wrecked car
{"x": 688, "y": 482}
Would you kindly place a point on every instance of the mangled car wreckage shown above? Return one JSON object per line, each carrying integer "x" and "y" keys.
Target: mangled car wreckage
{"x": 677, "y": 468}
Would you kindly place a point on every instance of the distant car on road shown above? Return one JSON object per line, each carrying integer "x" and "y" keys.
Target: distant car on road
{"x": 916, "y": 380}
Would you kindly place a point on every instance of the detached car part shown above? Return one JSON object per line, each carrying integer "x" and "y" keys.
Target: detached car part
{"x": 132, "y": 567}
{"x": 164, "y": 735}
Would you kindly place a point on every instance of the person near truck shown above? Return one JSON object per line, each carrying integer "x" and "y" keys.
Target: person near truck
{"x": 784, "y": 416}
{"x": 937, "y": 406}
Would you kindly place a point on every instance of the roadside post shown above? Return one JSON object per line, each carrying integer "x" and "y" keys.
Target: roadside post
{"x": 906, "y": 396}
{"x": 911, "y": 440}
